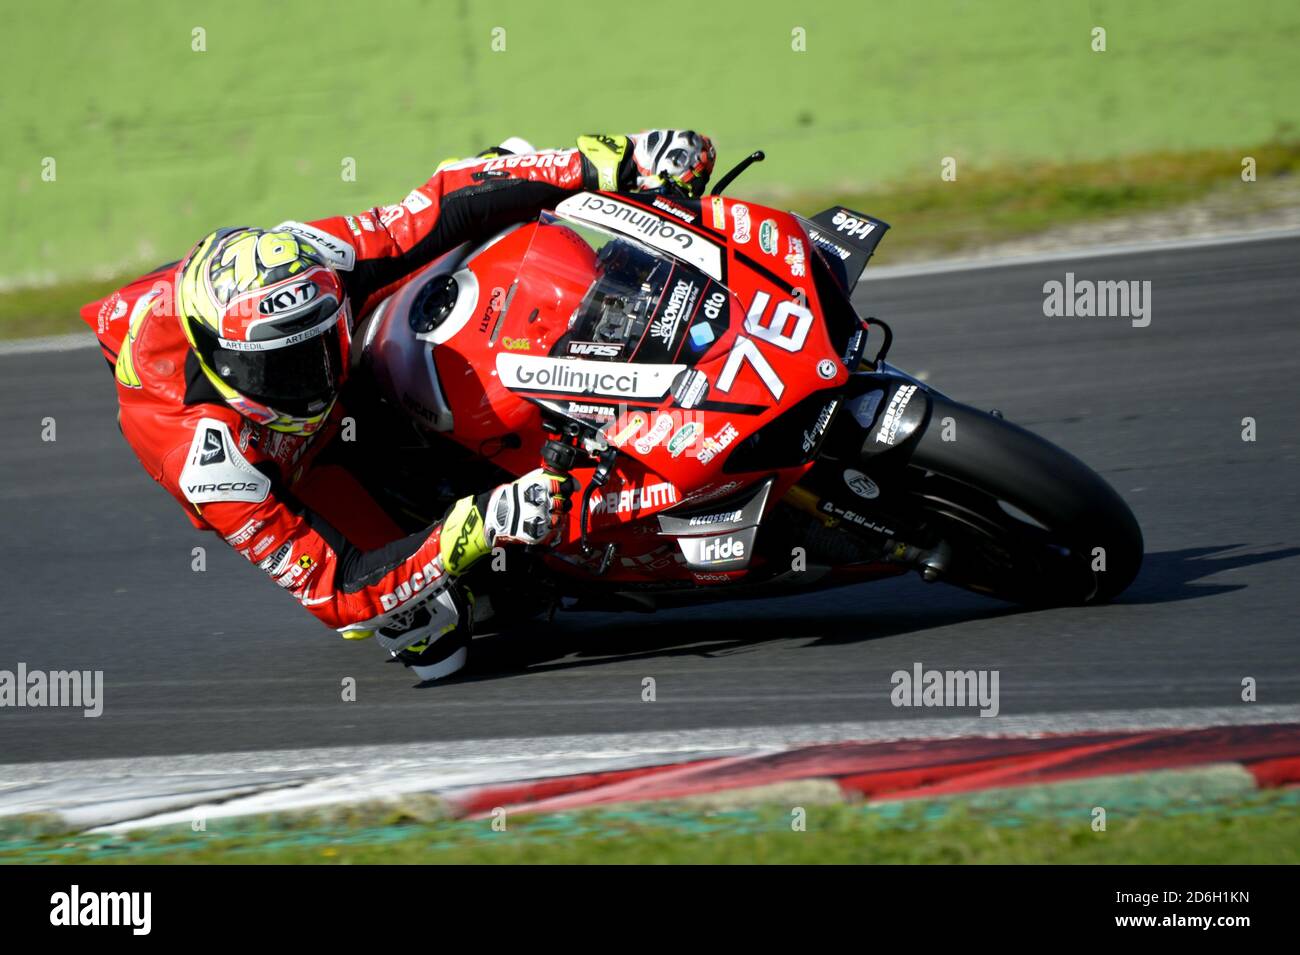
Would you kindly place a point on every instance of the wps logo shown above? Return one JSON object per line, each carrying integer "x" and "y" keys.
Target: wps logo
{"x": 594, "y": 349}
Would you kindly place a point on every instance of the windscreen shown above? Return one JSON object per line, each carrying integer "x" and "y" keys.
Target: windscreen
{"x": 619, "y": 300}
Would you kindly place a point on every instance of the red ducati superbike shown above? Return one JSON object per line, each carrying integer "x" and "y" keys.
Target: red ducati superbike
{"x": 698, "y": 367}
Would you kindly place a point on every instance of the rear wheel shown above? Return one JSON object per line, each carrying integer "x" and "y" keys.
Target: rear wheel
{"x": 1024, "y": 520}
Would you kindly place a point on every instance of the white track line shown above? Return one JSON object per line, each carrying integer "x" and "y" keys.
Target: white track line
{"x": 344, "y": 758}
{"x": 126, "y": 793}
{"x": 49, "y": 343}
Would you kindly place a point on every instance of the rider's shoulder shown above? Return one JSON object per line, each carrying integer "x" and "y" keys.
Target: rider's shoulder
{"x": 163, "y": 432}
{"x": 218, "y": 463}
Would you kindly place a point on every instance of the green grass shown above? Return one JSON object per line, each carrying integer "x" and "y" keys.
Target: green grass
{"x": 1252, "y": 828}
{"x": 51, "y": 310}
{"x": 988, "y": 206}
{"x": 928, "y": 217}
{"x": 155, "y": 143}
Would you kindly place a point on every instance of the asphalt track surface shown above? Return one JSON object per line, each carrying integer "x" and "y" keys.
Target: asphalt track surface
{"x": 97, "y": 559}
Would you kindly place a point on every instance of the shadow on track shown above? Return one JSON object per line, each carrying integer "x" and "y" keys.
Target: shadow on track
{"x": 715, "y": 632}
{"x": 884, "y": 609}
{"x": 1171, "y": 575}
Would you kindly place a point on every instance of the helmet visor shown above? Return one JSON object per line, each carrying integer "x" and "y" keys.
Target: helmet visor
{"x": 298, "y": 379}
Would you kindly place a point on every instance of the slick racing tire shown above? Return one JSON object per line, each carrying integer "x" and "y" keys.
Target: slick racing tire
{"x": 1025, "y": 521}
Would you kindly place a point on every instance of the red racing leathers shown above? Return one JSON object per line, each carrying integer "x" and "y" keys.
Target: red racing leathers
{"x": 255, "y": 486}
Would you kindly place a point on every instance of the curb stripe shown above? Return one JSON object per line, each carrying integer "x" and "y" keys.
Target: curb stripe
{"x": 907, "y": 771}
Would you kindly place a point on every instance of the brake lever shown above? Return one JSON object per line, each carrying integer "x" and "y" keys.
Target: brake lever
{"x": 560, "y": 454}
{"x": 672, "y": 187}
{"x": 605, "y": 464}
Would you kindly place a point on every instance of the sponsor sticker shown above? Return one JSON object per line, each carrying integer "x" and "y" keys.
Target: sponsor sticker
{"x": 404, "y": 591}
{"x": 691, "y": 388}
{"x": 642, "y": 224}
{"x": 723, "y": 517}
{"x": 635, "y": 498}
{"x": 673, "y": 209}
{"x": 543, "y": 159}
{"x": 740, "y": 220}
{"x": 795, "y": 258}
{"x": 851, "y": 226}
{"x": 114, "y": 307}
{"x": 829, "y": 247}
{"x": 647, "y": 442}
{"x": 768, "y": 236}
{"x": 719, "y": 210}
{"x": 681, "y": 302}
{"x": 590, "y": 412}
{"x": 719, "y": 442}
{"x": 578, "y": 376}
{"x": 861, "y": 485}
{"x": 684, "y": 437}
{"x": 340, "y": 253}
{"x": 288, "y": 300}
{"x": 853, "y": 517}
{"x": 810, "y": 438}
{"x": 245, "y": 533}
{"x": 214, "y": 452}
{"x": 216, "y": 471}
{"x": 594, "y": 349}
{"x": 721, "y": 551}
{"x": 278, "y": 562}
{"x": 701, "y": 336}
{"x": 635, "y": 422}
{"x": 893, "y": 416}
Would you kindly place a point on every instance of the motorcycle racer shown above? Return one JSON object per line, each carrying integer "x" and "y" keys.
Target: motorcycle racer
{"x": 229, "y": 366}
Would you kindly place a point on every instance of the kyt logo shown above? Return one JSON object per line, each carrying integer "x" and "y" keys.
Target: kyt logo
{"x": 288, "y": 299}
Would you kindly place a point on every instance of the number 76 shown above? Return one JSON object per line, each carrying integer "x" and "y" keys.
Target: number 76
{"x": 774, "y": 333}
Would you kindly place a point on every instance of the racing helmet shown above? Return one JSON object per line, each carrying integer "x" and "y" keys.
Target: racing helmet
{"x": 269, "y": 323}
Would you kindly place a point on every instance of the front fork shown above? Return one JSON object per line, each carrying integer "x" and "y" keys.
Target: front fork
{"x": 859, "y": 481}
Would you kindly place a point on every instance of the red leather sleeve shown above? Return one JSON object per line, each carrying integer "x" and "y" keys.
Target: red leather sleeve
{"x": 466, "y": 200}
{"x": 233, "y": 492}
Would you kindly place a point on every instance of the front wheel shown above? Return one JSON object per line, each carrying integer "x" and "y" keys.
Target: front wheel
{"x": 1023, "y": 520}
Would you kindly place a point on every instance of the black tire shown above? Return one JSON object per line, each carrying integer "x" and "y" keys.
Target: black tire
{"x": 963, "y": 485}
